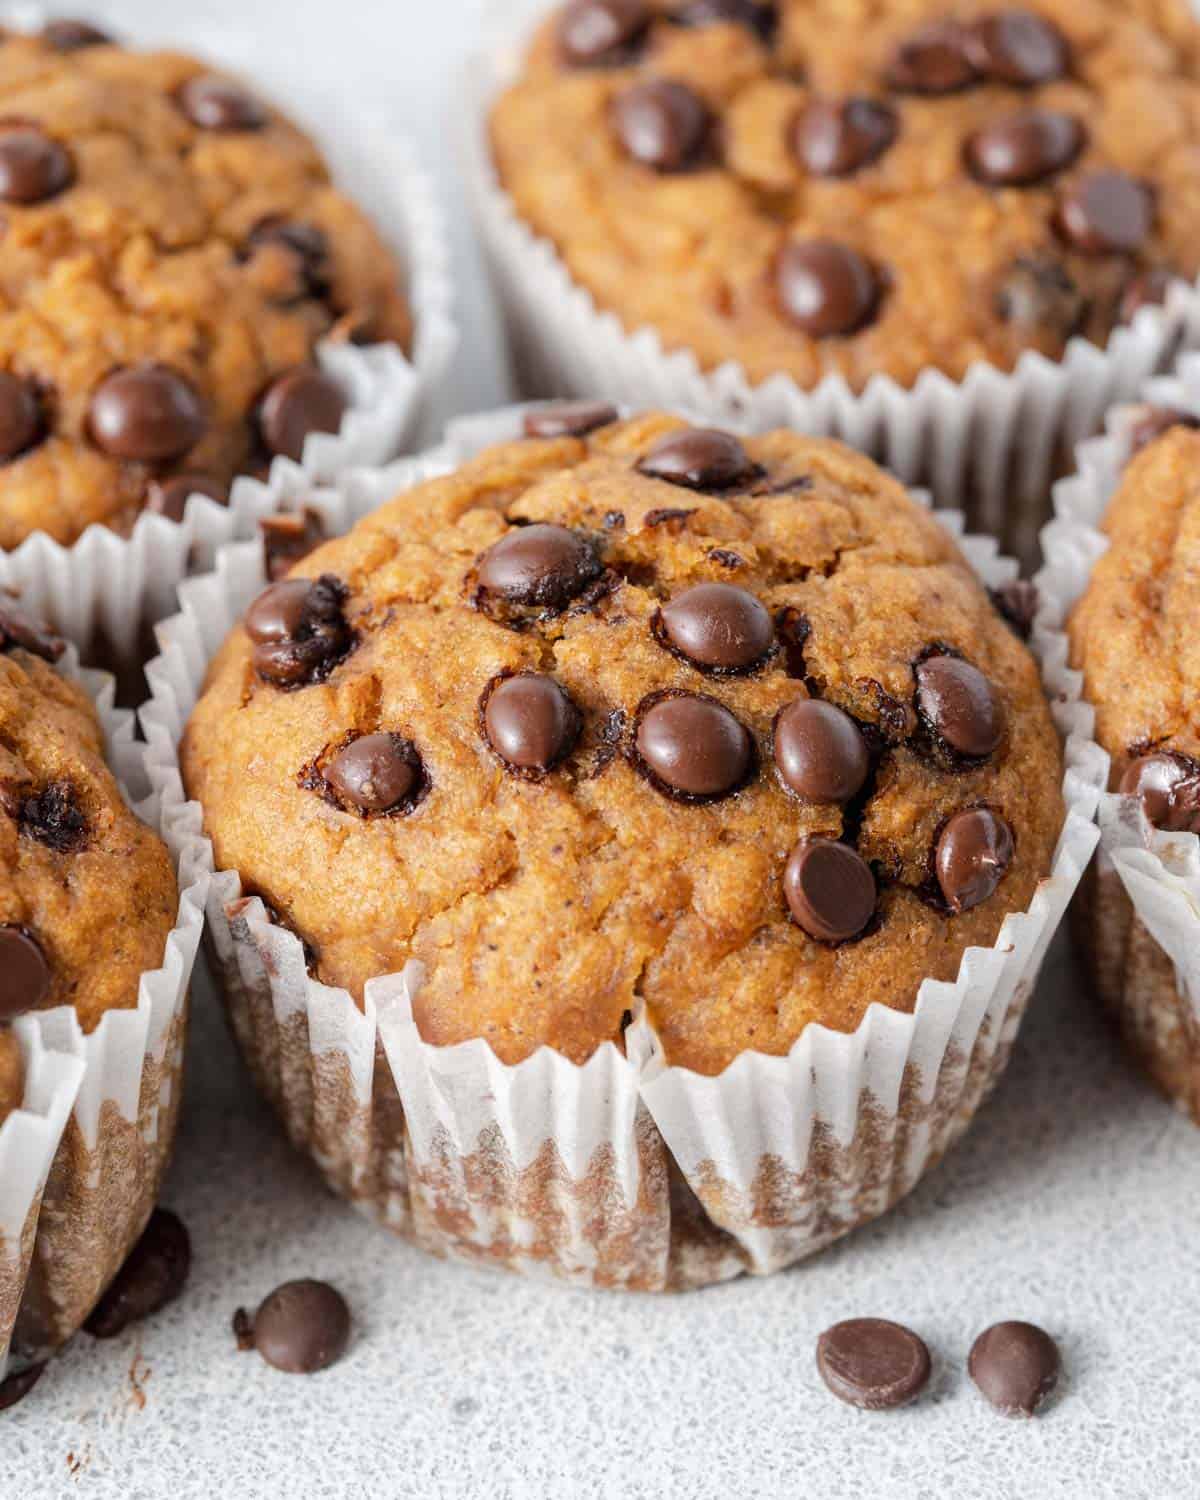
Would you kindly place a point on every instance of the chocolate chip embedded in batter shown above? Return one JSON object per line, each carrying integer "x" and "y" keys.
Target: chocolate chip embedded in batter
{"x": 700, "y": 458}
{"x": 54, "y": 818}
{"x": 830, "y": 890}
{"x": 1025, "y": 148}
{"x": 303, "y": 400}
{"x": 692, "y": 747}
{"x": 307, "y": 243}
{"x": 1016, "y": 1366}
{"x": 530, "y": 722}
{"x": 873, "y": 1364}
{"x": 288, "y": 538}
{"x": 302, "y": 1327}
{"x": 24, "y": 973}
{"x": 541, "y": 566}
{"x": 934, "y": 60}
{"x": 21, "y": 421}
{"x": 169, "y": 497}
{"x": 662, "y": 124}
{"x": 836, "y": 137}
{"x": 1037, "y": 295}
{"x": 1168, "y": 787}
{"x": 759, "y": 16}
{"x": 1018, "y": 48}
{"x": 718, "y": 627}
{"x": 299, "y": 630}
{"x": 601, "y": 33}
{"x": 154, "y": 1273}
{"x": 960, "y": 705}
{"x": 1106, "y": 213}
{"x": 820, "y": 751}
{"x": 375, "y": 774}
{"x": 1018, "y": 603}
{"x": 1154, "y": 422}
{"x": 974, "y": 852}
{"x": 215, "y": 103}
{"x": 147, "y": 413}
{"x": 826, "y": 288}
{"x": 33, "y": 167}
{"x": 19, "y": 630}
{"x": 74, "y": 36}
{"x": 1145, "y": 289}
{"x": 569, "y": 419}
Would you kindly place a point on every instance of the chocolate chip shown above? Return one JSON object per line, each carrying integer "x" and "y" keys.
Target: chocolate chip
{"x": 1146, "y": 289}
{"x": 873, "y": 1364}
{"x": 960, "y": 705}
{"x": 215, "y": 103}
{"x": 718, "y": 626}
{"x": 835, "y": 137}
{"x": 758, "y": 16}
{"x": 74, "y": 36}
{"x": 33, "y": 167}
{"x": 54, "y": 818}
{"x": 826, "y": 288}
{"x": 820, "y": 751}
{"x": 20, "y": 631}
{"x": 1025, "y": 148}
{"x": 169, "y": 497}
{"x": 21, "y": 422}
{"x": 375, "y": 774}
{"x": 302, "y": 1327}
{"x": 934, "y": 60}
{"x": 1168, "y": 786}
{"x": 148, "y": 413}
{"x": 1018, "y": 48}
{"x": 24, "y": 973}
{"x": 692, "y": 747}
{"x": 299, "y": 630}
{"x": 699, "y": 458}
{"x": 530, "y": 722}
{"x": 974, "y": 852}
{"x": 569, "y": 419}
{"x": 288, "y": 538}
{"x": 662, "y": 124}
{"x": 1016, "y": 1366}
{"x": 1038, "y": 295}
{"x": 1106, "y": 213}
{"x": 14, "y": 1388}
{"x": 601, "y": 33}
{"x": 542, "y": 566}
{"x": 830, "y": 890}
{"x": 306, "y": 243}
{"x": 303, "y": 400}
{"x": 1156, "y": 421}
{"x": 154, "y": 1273}
{"x": 1017, "y": 602}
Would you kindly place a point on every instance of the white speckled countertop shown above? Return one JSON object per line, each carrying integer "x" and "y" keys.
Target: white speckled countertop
{"x": 1072, "y": 1203}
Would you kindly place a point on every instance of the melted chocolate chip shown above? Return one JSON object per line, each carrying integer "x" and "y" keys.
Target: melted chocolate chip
{"x": 1145, "y": 289}
{"x": 308, "y": 244}
{"x": 793, "y": 630}
{"x": 1025, "y": 148}
{"x": 303, "y": 400}
{"x": 20, "y": 631}
{"x": 1038, "y": 295}
{"x": 215, "y": 103}
{"x": 299, "y": 630}
{"x": 1017, "y": 602}
{"x": 820, "y": 752}
{"x": 24, "y": 973}
{"x": 692, "y": 747}
{"x": 662, "y": 124}
{"x": 1168, "y": 786}
{"x": 147, "y": 413}
{"x": 830, "y": 890}
{"x": 700, "y": 458}
{"x": 602, "y": 33}
{"x": 14, "y": 1388}
{"x": 974, "y": 852}
{"x": 569, "y": 419}
{"x": 1015, "y": 1366}
{"x": 1155, "y": 422}
{"x": 33, "y": 167}
{"x": 21, "y": 421}
{"x": 288, "y": 538}
{"x": 826, "y": 288}
{"x": 169, "y": 497}
{"x": 302, "y": 1327}
{"x": 1106, "y": 213}
{"x": 530, "y": 722}
{"x": 960, "y": 706}
{"x": 718, "y": 627}
{"x": 873, "y": 1364}
{"x": 541, "y": 567}
{"x": 934, "y": 60}
{"x": 1018, "y": 48}
{"x": 74, "y": 36}
{"x": 758, "y": 16}
{"x": 836, "y": 137}
{"x": 54, "y": 818}
{"x": 154, "y": 1274}
{"x": 376, "y": 774}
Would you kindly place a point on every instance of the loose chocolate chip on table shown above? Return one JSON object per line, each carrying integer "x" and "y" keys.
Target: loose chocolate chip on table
{"x": 1106, "y": 213}
{"x": 1016, "y": 1366}
{"x": 873, "y": 1364}
{"x": 288, "y": 538}
{"x": 33, "y": 167}
{"x": 376, "y": 773}
{"x": 73, "y": 36}
{"x": 21, "y": 424}
{"x": 301, "y": 401}
{"x": 1018, "y": 603}
{"x": 934, "y": 60}
{"x": 835, "y": 137}
{"x": 216, "y": 103}
{"x": 1039, "y": 295}
{"x": 154, "y": 1274}
{"x": 1168, "y": 786}
{"x": 1025, "y": 148}
{"x": 830, "y": 890}
{"x": 600, "y": 33}
{"x": 14, "y": 1388}
{"x": 530, "y": 721}
{"x": 299, "y": 630}
{"x": 974, "y": 851}
{"x": 302, "y": 1327}
{"x": 826, "y": 288}
{"x": 24, "y": 973}
{"x": 148, "y": 413}
{"x": 569, "y": 419}
{"x": 1146, "y": 289}
{"x": 1154, "y": 422}
{"x": 543, "y": 566}
{"x": 692, "y": 746}
{"x": 169, "y": 497}
{"x": 53, "y": 818}
{"x": 662, "y": 124}
{"x": 960, "y": 705}
{"x": 1019, "y": 48}
{"x": 718, "y": 626}
{"x": 820, "y": 751}
{"x": 759, "y": 16}
{"x": 700, "y": 458}
{"x": 21, "y": 631}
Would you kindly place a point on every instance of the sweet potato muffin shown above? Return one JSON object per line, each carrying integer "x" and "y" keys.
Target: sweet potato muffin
{"x": 173, "y": 249}
{"x": 853, "y": 187}
{"x": 634, "y": 714}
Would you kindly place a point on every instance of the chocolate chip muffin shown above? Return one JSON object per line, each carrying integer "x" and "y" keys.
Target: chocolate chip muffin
{"x": 87, "y": 893}
{"x": 632, "y": 714}
{"x": 173, "y": 250}
{"x": 820, "y": 187}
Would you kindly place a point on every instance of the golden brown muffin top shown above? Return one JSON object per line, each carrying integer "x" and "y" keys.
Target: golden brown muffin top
{"x": 545, "y": 726}
{"x": 173, "y": 249}
{"x": 862, "y": 186}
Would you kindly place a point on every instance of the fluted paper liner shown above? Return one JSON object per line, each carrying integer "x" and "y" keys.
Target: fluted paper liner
{"x": 988, "y": 444}
{"x": 624, "y": 1172}
{"x": 1140, "y": 917}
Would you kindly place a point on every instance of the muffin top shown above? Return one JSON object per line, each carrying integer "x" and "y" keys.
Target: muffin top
{"x": 1133, "y": 633}
{"x": 631, "y": 712}
{"x": 87, "y": 893}
{"x": 862, "y": 186}
{"x": 172, "y": 251}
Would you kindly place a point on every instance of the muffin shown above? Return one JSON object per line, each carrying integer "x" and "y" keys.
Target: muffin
{"x": 623, "y": 732}
{"x": 173, "y": 252}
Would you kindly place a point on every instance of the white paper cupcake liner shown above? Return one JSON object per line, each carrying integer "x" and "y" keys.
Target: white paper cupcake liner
{"x": 988, "y": 445}
{"x": 625, "y": 1172}
{"x": 1141, "y": 921}
{"x": 82, "y": 1159}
